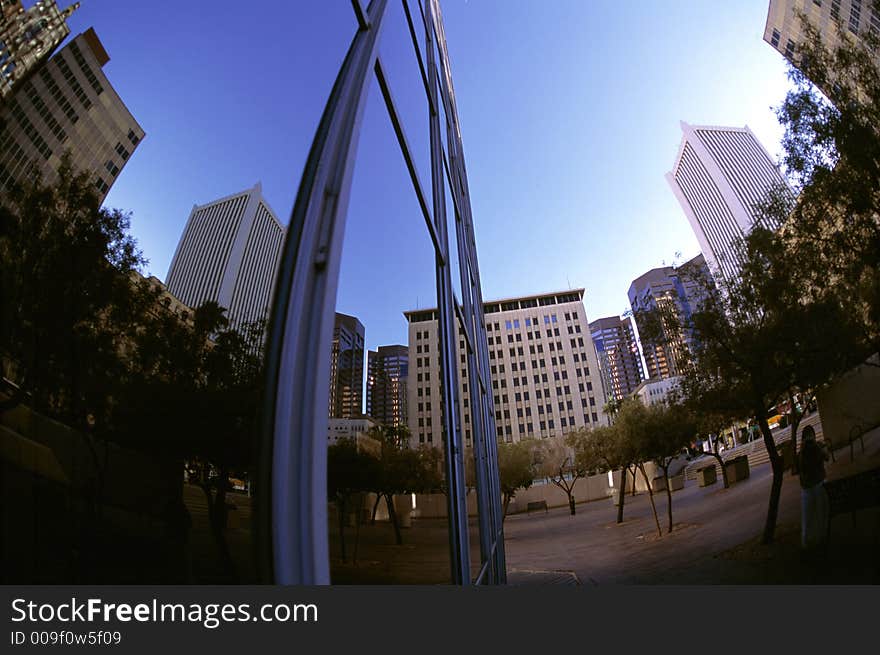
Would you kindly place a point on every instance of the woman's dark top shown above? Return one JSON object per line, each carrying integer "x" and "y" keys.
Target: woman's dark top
{"x": 811, "y": 463}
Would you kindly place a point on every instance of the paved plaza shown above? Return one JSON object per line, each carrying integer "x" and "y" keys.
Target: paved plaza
{"x": 715, "y": 540}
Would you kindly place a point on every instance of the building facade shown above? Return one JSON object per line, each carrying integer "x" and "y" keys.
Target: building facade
{"x": 28, "y": 37}
{"x": 229, "y": 254}
{"x": 673, "y": 291}
{"x": 347, "y": 368}
{"x": 652, "y": 392}
{"x": 543, "y": 368}
{"x": 721, "y": 177}
{"x": 387, "y": 373}
{"x": 784, "y": 31}
{"x": 356, "y": 430}
{"x": 67, "y": 105}
{"x": 617, "y": 352}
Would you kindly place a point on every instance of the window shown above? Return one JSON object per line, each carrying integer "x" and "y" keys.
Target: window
{"x": 774, "y": 40}
{"x": 855, "y": 11}
{"x": 508, "y": 325}
{"x": 516, "y": 322}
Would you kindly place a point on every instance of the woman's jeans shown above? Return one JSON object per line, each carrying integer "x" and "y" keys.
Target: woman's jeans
{"x": 814, "y": 516}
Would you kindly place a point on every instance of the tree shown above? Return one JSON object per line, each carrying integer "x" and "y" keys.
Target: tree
{"x": 193, "y": 392}
{"x": 66, "y": 267}
{"x": 831, "y": 148}
{"x": 350, "y": 472}
{"x": 711, "y": 424}
{"x": 756, "y": 342}
{"x": 603, "y": 449}
{"x": 517, "y": 468}
{"x": 401, "y": 470}
{"x": 557, "y": 461}
{"x": 671, "y": 429}
{"x": 637, "y": 428}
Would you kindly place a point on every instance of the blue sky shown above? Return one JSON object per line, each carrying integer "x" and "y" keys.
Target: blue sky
{"x": 569, "y": 111}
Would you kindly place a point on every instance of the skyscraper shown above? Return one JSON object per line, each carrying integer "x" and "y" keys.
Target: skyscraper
{"x": 721, "y": 176}
{"x": 543, "y": 367}
{"x": 618, "y": 354}
{"x": 27, "y": 38}
{"x": 347, "y": 368}
{"x": 387, "y": 372}
{"x": 784, "y": 32}
{"x": 229, "y": 253}
{"x": 67, "y": 105}
{"x": 673, "y": 291}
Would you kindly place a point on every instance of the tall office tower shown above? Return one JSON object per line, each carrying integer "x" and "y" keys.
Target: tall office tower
{"x": 229, "y": 253}
{"x": 618, "y": 353}
{"x": 784, "y": 30}
{"x": 347, "y": 368}
{"x": 721, "y": 177}
{"x": 545, "y": 376}
{"x": 672, "y": 290}
{"x": 68, "y": 105}
{"x": 387, "y": 372}
{"x": 27, "y": 39}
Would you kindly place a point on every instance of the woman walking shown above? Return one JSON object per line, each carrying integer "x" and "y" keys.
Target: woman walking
{"x": 814, "y": 499}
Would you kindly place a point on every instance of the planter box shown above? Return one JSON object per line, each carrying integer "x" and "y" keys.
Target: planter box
{"x": 676, "y": 482}
{"x": 737, "y": 469}
{"x": 786, "y": 450}
{"x": 707, "y": 475}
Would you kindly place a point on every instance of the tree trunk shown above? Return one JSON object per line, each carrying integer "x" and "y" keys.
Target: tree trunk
{"x": 621, "y": 494}
{"x": 668, "y": 495}
{"x": 392, "y": 515}
{"x": 723, "y": 470}
{"x": 375, "y": 508}
{"x": 217, "y": 512}
{"x": 634, "y": 472}
{"x": 357, "y": 527}
{"x": 571, "y": 504}
{"x": 340, "y": 510}
{"x": 507, "y": 499}
{"x": 776, "y": 486}
{"x": 651, "y": 496}
{"x": 795, "y": 422}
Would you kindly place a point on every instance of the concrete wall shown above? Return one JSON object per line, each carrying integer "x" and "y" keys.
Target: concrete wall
{"x": 851, "y": 404}
{"x": 595, "y": 487}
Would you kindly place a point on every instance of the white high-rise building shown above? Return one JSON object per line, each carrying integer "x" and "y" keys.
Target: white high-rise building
{"x": 721, "y": 177}
{"x": 543, "y": 367}
{"x": 229, "y": 253}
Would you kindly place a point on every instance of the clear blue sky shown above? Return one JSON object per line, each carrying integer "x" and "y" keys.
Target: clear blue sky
{"x": 569, "y": 111}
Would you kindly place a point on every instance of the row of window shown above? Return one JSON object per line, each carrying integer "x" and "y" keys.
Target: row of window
{"x": 84, "y": 66}
{"x": 59, "y": 97}
{"x": 29, "y": 129}
{"x": 72, "y": 82}
{"x": 565, "y": 422}
{"x": 44, "y": 112}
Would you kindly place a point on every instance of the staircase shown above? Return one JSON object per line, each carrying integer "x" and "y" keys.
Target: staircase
{"x": 754, "y": 450}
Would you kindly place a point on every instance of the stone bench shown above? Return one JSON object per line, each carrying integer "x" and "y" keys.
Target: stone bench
{"x": 537, "y": 505}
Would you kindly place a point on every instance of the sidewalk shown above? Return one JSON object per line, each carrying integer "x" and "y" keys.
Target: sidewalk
{"x": 716, "y": 540}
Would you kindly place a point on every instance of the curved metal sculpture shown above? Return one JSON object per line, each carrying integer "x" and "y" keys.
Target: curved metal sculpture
{"x": 293, "y": 532}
